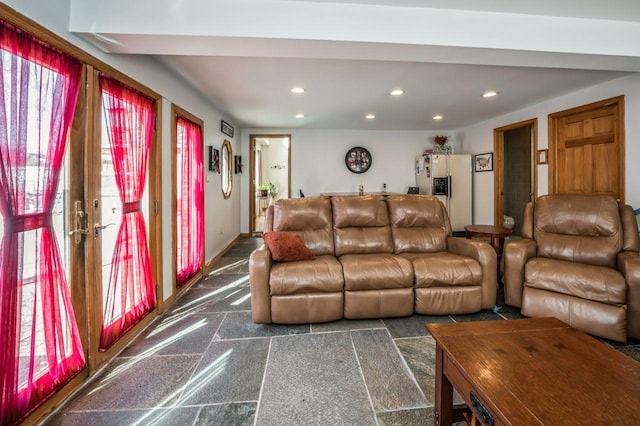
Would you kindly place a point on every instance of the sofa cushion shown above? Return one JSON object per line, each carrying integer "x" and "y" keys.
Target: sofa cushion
{"x": 361, "y": 225}
{"x": 597, "y": 283}
{"x": 308, "y": 217}
{"x": 444, "y": 269}
{"x": 578, "y": 228}
{"x": 307, "y": 308}
{"x": 448, "y": 300}
{"x": 419, "y": 224}
{"x": 286, "y": 247}
{"x": 323, "y": 274}
{"x": 376, "y": 271}
{"x": 391, "y": 302}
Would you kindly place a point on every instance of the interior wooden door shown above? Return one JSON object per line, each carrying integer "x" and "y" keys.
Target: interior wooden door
{"x": 588, "y": 148}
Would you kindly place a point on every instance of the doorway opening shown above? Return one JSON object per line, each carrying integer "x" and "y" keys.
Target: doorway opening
{"x": 270, "y": 177}
{"x": 515, "y": 181}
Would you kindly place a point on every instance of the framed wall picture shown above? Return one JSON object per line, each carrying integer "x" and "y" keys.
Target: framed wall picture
{"x": 214, "y": 159}
{"x": 226, "y": 128}
{"x": 543, "y": 156}
{"x": 483, "y": 162}
{"x": 358, "y": 159}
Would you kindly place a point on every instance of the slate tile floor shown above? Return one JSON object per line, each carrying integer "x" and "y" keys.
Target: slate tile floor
{"x": 204, "y": 362}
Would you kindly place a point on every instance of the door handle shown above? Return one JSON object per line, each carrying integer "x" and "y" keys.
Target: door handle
{"x": 97, "y": 227}
{"x": 80, "y": 222}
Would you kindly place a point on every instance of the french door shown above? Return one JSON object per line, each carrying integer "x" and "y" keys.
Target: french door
{"x": 103, "y": 228}
{"x": 120, "y": 278}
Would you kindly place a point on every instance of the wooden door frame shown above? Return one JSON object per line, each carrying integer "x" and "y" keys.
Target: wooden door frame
{"x": 252, "y": 177}
{"x": 618, "y": 134}
{"x": 498, "y": 162}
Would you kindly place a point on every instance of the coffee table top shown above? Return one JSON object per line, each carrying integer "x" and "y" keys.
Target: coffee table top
{"x": 542, "y": 371}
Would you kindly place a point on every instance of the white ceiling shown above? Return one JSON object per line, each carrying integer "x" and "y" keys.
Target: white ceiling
{"x": 625, "y": 10}
{"x": 244, "y": 56}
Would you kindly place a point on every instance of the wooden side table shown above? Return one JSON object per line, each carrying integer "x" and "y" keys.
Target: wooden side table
{"x": 494, "y": 235}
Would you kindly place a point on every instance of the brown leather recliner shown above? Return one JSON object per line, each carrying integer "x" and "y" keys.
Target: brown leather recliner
{"x": 452, "y": 275}
{"x": 298, "y": 292}
{"x": 579, "y": 262}
{"x": 377, "y": 282}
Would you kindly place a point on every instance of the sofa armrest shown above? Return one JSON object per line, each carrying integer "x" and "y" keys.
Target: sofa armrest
{"x": 486, "y": 256}
{"x": 259, "y": 271}
{"x": 516, "y": 253}
{"x": 629, "y": 266}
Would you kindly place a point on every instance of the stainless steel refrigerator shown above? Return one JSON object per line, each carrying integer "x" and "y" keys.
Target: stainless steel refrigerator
{"x": 448, "y": 177}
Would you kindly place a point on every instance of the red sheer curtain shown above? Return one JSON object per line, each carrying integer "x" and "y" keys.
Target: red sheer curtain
{"x": 190, "y": 200}
{"x": 41, "y": 348}
{"x": 130, "y": 294}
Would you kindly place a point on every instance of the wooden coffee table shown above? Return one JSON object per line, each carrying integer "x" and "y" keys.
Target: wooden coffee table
{"x": 536, "y": 371}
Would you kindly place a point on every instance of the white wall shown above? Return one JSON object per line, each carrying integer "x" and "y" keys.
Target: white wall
{"x": 317, "y": 160}
{"x": 479, "y": 138}
{"x": 222, "y": 217}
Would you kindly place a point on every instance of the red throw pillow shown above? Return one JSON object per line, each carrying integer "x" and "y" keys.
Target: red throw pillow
{"x": 286, "y": 247}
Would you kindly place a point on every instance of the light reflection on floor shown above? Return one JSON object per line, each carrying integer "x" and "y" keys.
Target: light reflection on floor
{"x": 226, "y": 268}
{"x": 194, "y": 385}
{"x": 126, "y": 366}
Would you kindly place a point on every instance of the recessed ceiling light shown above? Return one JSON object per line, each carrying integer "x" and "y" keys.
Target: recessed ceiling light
{"x": 437, "y": 117}
{"x": 297, "y": 90}
{"x": 489, "y": 94}
{"x": 369, "y": 116}
{"x": 396, "y": 92}
{"x": 299, "y": 115}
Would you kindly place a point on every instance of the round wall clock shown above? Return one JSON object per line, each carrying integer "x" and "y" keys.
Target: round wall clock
{"x": 358, "y": 159}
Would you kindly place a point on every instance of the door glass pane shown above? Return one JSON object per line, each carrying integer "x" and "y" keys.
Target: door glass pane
{"x": 32, "y": 321}
{"x": 111, "y": 216}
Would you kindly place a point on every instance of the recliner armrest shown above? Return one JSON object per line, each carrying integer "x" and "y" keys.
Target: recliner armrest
{"x": 486, "y": 256}
{"x": 260, "y": 263}
{"x": 629, "y": 266}
{"x": 516, "y": 254}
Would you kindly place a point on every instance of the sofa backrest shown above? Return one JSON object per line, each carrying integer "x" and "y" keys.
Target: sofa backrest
{"x": 579, "y": 228}
{"x": 361, "y": 225}
{"x": 419, "y": 223}
{"x": 308, "y": 217}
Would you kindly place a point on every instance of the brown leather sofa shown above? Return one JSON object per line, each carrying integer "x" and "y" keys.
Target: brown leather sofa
{"x": 578, "y": 261}
{"x": 376, "y": 257}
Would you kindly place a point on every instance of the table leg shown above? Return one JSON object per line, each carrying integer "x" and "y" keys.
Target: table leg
{"x": 443, "y": 409}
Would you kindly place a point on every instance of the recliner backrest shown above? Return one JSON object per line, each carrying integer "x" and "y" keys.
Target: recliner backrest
{"x": 361, "y": 225}
{"x": 578, "y": 228}
{"x": 419, "y": 223}
{"x": 308, "y": 217}
{"x": 630, "y": 229}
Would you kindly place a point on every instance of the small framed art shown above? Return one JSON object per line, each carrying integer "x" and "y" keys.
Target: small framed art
{"x": 543, "y": 156}
{"x": 214, "y": 160}
{"x": 226, "y": 128}
{"x": 483, "y": 162}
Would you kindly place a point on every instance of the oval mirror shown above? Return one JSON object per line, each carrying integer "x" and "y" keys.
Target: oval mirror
{"x": 225, "y": 168}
